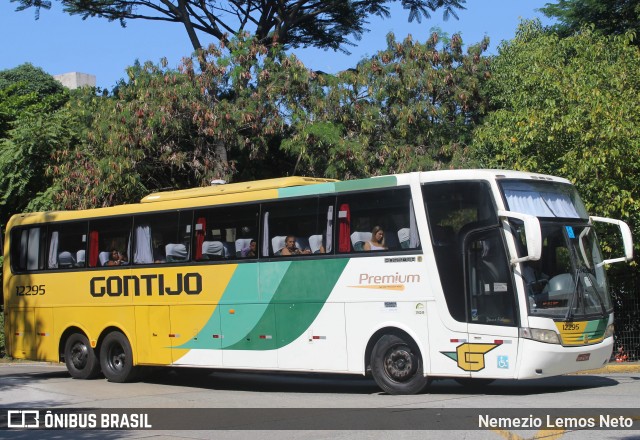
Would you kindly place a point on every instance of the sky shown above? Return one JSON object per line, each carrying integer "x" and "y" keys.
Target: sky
{"x": 59, "y": 43}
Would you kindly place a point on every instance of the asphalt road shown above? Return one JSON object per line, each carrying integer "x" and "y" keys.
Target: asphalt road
{"x": 316, "y": 406}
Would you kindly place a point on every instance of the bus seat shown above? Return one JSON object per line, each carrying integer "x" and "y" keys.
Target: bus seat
{"x": 315, "y": 243}
{"x": 66, "y": 260}
{"x": 358, "y": 239}
{"x": 103, "y": 257}
{"x": 277, "y": 244}
{"x": 241, "y": 245}
{"x": 176, "y": 252}
{"x": 404, "y": 237}
{"x": 80, "y": 258}
{"x": 212, "y": 249}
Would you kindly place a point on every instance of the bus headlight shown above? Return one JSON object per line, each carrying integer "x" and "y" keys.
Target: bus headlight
{"x": 538, "y": 334}
{"x": 609, "y": 332}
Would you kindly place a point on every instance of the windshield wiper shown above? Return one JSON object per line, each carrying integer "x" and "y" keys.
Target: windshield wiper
{"x": 580, "y": 281}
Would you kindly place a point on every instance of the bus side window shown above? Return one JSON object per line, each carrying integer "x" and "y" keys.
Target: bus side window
{"x": 362, "y": 214}
{"x": 27, "y": 249}
{"x": 308, "y": 221}
{"x": 112, "y": 233}
{"x": 226, "y": 233}
{"x": 67, "y": 244}
{"x": 162, "y": 237}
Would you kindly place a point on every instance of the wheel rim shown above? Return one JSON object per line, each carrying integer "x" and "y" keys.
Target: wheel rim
{"x": 116, "y": 357}
{"x": 79, "y": 355}
{"x": 400, "y": 364}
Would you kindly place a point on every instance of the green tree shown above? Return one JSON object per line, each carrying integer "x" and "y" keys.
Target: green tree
{"x": 32, "y": 124}
{"x": 611, "y": 17}
{"x": 181, "y": 128}
{"x": 568, "y": 107}
{"x": 410, "y": 107}
{"x": 27, "y": 88}
{"x": 293, "y": 23}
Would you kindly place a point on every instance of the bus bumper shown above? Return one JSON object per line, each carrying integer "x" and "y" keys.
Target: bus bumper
{"x": 543, "y": 360}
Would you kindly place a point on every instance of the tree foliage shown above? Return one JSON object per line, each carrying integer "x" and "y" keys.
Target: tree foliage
{"x": 32, "y": 123}
{"x": 181, "y": 128}
{"x": 410, "y": 107}
{"x": 256, "y": 112}
{"x": 27, "y": 88}
{"x": 568, "y": 107}
{"x": 294, "y": 23}
{"x": 611, "y": 17}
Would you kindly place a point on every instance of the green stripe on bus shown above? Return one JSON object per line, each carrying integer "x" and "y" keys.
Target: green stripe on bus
{"x": 378, "y": 182}
{"x": 295, "y": 305}
{"x": 307, "y": 190}
{"x": 596, "y": 328}
{"x": 240, "y": 294}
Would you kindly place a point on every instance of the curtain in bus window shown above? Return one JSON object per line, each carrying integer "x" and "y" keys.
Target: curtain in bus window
{"x": 265, "y": 235}
{"x": 53, "y": 251}
{"x": 527, "y": 200}
{"x": 344, "y": 228}
{"x": 201, "y": 230}
{"x": 34, "y": 249}
{"x": 143, "y": 253}
{"x": 329, "y": 235}
{"x": 414, "y": 240}
{"x": 24, "y": 242}
{"x": 93, "y": 248}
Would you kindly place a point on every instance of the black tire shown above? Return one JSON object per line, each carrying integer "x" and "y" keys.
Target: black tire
{"x": 80, "y": 358}
{"x": 116, "y": 359}
{"x": 397, "y": 366}
{"x": 473, "y": 383}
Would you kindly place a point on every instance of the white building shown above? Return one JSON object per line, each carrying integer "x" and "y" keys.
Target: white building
{"x": 74, "y": 80}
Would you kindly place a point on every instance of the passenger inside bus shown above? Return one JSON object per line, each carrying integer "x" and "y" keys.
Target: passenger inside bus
{"x": 117, "y": 258}
{"x": 290, "y": 247}
{"x": 376, "y": 243}
{"x": 251, "y": 251}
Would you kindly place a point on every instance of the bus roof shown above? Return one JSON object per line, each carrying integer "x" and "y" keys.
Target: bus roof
{"x": 232, "y": 188}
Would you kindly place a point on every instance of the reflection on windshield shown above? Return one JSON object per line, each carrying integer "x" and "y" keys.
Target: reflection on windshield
{"x": 569, "y": 281}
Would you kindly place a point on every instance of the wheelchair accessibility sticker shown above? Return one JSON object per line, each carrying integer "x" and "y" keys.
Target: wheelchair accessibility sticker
{"x": 503, "y": 362}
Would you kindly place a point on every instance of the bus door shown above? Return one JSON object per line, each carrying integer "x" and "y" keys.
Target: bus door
{"x": 491, "y": 307}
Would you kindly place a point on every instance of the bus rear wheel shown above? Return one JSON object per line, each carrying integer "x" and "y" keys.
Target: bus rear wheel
{"x": 116, "y": 358}
{"x": 396, "y": 366}
{"x": 80, "y": 358}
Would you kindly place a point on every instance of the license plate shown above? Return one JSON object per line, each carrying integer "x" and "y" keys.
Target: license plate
{"x": 583, "y": 357}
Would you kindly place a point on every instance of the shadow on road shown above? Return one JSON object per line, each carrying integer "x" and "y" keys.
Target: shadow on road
{"x": 324, "y": 383}
{"x": 334, "y": 383}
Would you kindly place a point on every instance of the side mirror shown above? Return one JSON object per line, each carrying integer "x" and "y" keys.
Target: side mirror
{"x": 627, "y": 239}
{"x": 532, "y": 233}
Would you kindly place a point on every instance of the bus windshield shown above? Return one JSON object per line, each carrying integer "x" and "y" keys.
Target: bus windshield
{"x": 543, "y": 199}
{"x": 569, "y": 280}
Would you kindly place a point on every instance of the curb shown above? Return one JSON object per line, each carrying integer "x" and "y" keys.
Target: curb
{"x": 615, "y": 367}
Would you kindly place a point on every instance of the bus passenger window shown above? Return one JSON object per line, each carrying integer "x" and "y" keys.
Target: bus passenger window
{"x": 162, "y": 237}
{"x": 27, "y": 249}
{"x": 381, "y": 220}
{"x": 226, "y": 233}
{"x": 107, "y": 235}
{"x": 67, "y": 244}
{"x": 298, "y": 227}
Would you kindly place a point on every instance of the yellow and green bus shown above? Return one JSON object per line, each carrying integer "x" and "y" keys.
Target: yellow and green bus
{"x": 474, "y": 275}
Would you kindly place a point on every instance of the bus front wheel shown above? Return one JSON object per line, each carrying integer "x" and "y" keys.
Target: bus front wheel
{"x": 80, "y": 358}
{"x": 396, "y": 366}
{"x": 116, "y": 358}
